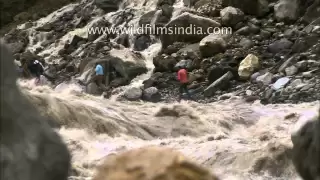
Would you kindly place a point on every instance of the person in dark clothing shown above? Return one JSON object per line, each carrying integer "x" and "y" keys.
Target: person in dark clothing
{"x": 183, "y": 79}
{"x": 35, "y": 69}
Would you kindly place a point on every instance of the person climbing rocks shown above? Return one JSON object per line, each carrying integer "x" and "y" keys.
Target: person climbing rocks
{"x": 183, "y": 79}
{"x": 98, "y": 77}
{"x": 36, "y": 69}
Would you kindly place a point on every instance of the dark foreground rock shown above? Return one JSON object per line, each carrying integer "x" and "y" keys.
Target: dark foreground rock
{"x": 147, "y": 162}
{"x": 30, "y": 149}
{"x": 306, "y": 148}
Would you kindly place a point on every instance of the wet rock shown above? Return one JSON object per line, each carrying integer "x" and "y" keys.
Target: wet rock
{"x": 252, "y": 7}
{"x": 231, "y": 16}
{"x": 213, "y": 44}
{"x": 148, "y": 161}
{"x": 153, "y": 80}
{"x": 185, "y": 20}
{"x": 286, "y": 10}
{"x": 107, "y": 5}
{"x": 20, "y": 116}
{"x": 142, "y": 42}
{"x": 164, "y": 63}
{"x": 279, "y": 45}
{"x": 248, "y": 66}
{"x": 133, "y": 94}
{"x": 123, "y": 39}
{"x": 184, "y": 63}
{"x": 151, "y": 94}
{"x": 306, "y": 145}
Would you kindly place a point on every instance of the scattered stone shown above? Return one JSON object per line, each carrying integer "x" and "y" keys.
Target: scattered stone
{"x": 292, "y": 70}
{"x": 266, "y": 79}
{"x": 280, "y": 83}
{"x": 248, "y": 66}
{"x": 279, "y": 46}
{"x": 256, "y": 7}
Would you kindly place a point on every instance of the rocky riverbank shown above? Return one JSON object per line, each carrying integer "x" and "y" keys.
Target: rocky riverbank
{"x": 271, "y": 55}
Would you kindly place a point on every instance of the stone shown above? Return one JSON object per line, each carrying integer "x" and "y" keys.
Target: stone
{"x": 252, "y": 7}
{"x": 247, "y": 66}
{"x": 107, "y": 5}
{"x": 306, "y": 145}
{"x": 150, "y": 163}
{"x": 212, "y": 44}
{"x": 246, "y": 43}
{"x": 286, "y": 10}
{"x": 187, "y": 21}
{"x": 133, "y": 94}
{"x": 151, "y": 94}
{"x": 266, "y": 79}
{"x": 291, "y": 70}
{"x": 280, "y": 83}
{"x": 29, "y": 145}
{"x": 231, "y": 16}
{"x": 184, "y": 63}
{"x": 280, "y": 45}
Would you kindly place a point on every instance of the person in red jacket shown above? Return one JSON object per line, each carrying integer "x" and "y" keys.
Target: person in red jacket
{"x": 183, "y": 79}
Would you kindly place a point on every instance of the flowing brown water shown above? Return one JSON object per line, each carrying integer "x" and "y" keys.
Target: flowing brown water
{"x": 235, "y": 139}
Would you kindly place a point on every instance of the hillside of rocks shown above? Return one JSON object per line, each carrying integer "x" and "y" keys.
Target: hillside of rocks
{"x": 271, "y": 55}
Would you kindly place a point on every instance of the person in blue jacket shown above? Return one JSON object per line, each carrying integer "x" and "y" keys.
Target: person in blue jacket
{"x": 98, "y": 77}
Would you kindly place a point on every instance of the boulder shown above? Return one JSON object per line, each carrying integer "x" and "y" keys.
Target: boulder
{"x": 306, "y": 146}
{"x": 151, "y": 94}
{"x": 188, "y": 23}
{"x": 141, "y": 42}
{"x": 107, "y": 5}
{"x": 248, "y": 66}
{"x": 191, "y": 51}
{"x": 251, "y": 7}
{"x": 153, "y": 162}
{"x": 185, "y": 64}
{"x": 286, "y": 10}
{"x": 126, "y": 63}
{"x": 164, "y": 63}
{"x": 312, "y": 12}
{"x": 213, "y": 44}
{"x": 231, "y": 16}
{"x": 30, "y": 148}
{"x": 133, "y": 94}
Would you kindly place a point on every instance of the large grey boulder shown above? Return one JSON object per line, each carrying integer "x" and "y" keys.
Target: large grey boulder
{"x": 183, "y": 26}
{"x": 286, "y": 10}
{"x": 252, "y": 7}
{"x": 213, "y": 44}
{"x": 107, "y": 5}
{"x": 30, "y": 148}
{"x": 306, "y": 147}
{"x": 231, "y": 16}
